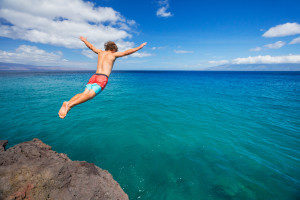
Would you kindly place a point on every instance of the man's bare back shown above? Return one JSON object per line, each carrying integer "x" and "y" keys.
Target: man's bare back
{"x": 106, "y": 60}
{"x": 98, "y": 81}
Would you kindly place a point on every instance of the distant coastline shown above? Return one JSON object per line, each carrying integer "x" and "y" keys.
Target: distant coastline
{"x": 23, "y": 67}
{"x": 14, "y": 67}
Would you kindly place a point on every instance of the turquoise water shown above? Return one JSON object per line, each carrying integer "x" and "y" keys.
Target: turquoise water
{"x": 169, "y": 135}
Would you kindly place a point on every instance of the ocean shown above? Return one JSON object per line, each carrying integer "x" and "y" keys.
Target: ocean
{"x": 171, "y": 135}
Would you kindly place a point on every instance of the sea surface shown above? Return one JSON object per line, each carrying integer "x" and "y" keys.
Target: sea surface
{"x": 169, "y": 135}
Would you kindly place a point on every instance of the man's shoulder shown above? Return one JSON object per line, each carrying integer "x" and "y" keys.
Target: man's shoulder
{"x": 108, "y": 54}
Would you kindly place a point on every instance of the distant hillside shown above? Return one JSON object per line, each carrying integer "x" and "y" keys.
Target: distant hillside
{"x": 256, "y": 67}
{"x": 21, "y": 67}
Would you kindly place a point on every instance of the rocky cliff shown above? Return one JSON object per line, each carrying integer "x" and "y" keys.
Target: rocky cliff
{"x": 31, "y": 170}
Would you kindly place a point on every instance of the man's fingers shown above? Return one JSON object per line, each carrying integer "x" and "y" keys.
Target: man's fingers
{"x": 82, "y": 38}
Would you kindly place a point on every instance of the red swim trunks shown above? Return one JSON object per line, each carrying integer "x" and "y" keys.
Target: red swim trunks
{"x": 97, "y": 83}
{"x": 100, "y": 79}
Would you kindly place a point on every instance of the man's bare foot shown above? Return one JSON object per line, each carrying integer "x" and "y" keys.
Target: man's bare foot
{"x": 64, "y": 110}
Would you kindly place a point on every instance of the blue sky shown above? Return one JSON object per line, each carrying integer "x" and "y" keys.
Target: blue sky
{"x": 185, "y": 35}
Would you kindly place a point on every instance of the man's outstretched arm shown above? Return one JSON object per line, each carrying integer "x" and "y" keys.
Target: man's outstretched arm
{"x": 89, "y": 45}
{"x": 129, "y": 51}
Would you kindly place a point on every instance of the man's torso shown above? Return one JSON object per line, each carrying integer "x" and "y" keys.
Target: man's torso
{"x": 105, "y": 63}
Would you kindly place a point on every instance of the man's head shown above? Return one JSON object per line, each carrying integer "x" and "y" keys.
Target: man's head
{"x": 110, "y": 46}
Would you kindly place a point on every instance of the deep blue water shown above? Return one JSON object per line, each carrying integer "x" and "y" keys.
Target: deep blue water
{"x": 169, "y": 135}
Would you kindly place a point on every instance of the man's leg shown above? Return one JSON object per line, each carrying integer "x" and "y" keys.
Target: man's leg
{"x": 85, "y": 96}
{"x": 77, "y": 99}
{"x": 76, "y": 96}
{"x": 63, "y": 107}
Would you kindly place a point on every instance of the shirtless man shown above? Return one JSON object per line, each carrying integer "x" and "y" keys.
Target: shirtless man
{"x": 99, "y": 80}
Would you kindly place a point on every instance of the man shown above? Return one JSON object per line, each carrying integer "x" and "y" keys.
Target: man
{"x": 99, "y": 80}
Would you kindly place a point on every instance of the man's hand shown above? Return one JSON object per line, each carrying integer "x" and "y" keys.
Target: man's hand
{"x": 144, "y": 44}
{"x": 82, "y": 38}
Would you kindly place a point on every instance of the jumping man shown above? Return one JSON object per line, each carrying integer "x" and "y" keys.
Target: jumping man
{"x": 99, "y": 80}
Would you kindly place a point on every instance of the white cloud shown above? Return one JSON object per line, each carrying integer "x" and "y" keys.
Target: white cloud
{"x": 26, "y": 54}
{"x": 283, "y": 30}
{"x": 162, "y": 11}
{"x": 295, "y": 41}
{"x": 218, "y": 62}
{"x": 268, "y": 59}
{"x": 140, "y": 55}
{"x": 182, "y": 51}
{"x": 88, "y": 53}
{"x": 156, "y": 48}
{"x": 61, "y": 22}
{"x": 275, "y": 45}
{"x": 256, "y": 49}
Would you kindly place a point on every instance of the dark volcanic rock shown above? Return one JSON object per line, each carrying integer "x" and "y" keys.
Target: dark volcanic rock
{"x": 31, "y": 170}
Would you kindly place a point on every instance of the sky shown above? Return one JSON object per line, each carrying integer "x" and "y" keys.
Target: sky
{"x": 181, "y": 35}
